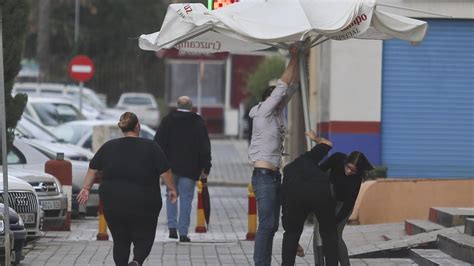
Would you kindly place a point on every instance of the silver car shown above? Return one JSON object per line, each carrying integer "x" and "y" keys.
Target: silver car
{"x": 51, "y": 112}
{"x": 41, "y": 138}
{"x": 35, "y": 159}
{"x": 24, "y": 201}
{"x": 143, "y": 105}
{"x": 80, "y": 132}
{"x": 51, "y": 198}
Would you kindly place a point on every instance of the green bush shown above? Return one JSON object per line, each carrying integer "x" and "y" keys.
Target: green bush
{"x": 378, "y": 172}
{"x": 269, "y": 69}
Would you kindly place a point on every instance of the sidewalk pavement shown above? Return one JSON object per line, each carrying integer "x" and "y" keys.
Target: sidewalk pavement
{"x": 230, "y": 163}
{"x": 223, "y": 244}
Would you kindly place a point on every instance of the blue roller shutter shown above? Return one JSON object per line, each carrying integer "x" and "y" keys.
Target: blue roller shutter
{"x": 428, "y": 103}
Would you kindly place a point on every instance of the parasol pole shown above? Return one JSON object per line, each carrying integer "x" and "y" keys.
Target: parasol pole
{"x": 303, "y": 68}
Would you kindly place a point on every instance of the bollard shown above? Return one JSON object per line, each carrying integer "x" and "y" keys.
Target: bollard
{"x": 201, "y": 220}
{"x": 62, "y": 170}
{"x": 252, "y": 218}
{"x": 102, "y": 234}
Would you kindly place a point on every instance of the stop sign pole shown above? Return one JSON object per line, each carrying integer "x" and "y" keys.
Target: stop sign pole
{"x": 81, "y": 68}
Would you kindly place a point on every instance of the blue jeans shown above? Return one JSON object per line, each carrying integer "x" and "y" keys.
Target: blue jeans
{"x": 185, "y": 189}
{"x": 267, "y": 193}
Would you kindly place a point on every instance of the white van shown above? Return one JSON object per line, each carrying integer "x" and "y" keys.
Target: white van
{"x": 92, "y": 106}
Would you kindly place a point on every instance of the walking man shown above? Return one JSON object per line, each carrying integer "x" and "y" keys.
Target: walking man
{"x": 184, "y": 139}
{"x": 266, "y": 146}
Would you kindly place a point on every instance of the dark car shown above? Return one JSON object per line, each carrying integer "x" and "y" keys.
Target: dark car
{"x": 17, "y": 228}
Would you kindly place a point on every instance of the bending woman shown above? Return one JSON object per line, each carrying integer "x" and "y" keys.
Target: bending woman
{"x": 347, "y": 172}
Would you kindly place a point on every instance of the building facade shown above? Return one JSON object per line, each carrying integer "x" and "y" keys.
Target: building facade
{"x": 409, "y": 108}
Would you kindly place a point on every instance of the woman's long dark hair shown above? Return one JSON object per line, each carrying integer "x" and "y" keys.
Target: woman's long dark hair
{"x": 361, "y": 162}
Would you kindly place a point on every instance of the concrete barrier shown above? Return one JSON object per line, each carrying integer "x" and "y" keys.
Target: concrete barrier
{"x": 395, "y": 200}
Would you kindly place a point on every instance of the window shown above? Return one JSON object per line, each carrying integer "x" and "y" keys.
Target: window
{"x": 146, "y": 134}
{"x": 72, "y": 133}
{"x": 25, "y": 90}
{"x": 53, "y": 114}
{"x": 183, "y": 76}
{"x": 52, "y": 91}
{"x": 137, "y": 100}
{"x": 14, "y": 156}
{"x": 31, "y": 130}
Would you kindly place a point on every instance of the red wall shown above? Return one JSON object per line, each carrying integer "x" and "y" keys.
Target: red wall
{"x": 213, "y": 117}
{"x": 242, "y": 67}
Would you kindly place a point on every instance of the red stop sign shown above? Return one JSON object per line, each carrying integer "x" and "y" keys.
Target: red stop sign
{"x": 81, "y": 68}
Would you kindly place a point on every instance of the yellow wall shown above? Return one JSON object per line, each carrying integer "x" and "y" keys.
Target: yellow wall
{"x": 388, "y": 200}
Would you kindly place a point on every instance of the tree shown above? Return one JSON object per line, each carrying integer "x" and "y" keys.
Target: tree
{"x": 14, "y": 15}
{"x": 271, "y": 68}
{"x": 42, "y": 49}
{"x": 109, "y": 31}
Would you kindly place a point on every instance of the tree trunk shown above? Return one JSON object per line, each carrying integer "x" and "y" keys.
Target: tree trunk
{"x": 42, "y": 49}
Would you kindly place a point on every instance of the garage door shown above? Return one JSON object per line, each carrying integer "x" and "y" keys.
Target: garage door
{"x": 428, "y": 103}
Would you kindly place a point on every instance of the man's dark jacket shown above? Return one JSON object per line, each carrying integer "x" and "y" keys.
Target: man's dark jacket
{"x": 185, "y": 142}
{"x": 304, "y": 177}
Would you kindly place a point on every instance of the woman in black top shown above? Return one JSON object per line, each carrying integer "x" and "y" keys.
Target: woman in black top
{"x": 130, "y": 168}
{"x": 346, "y": 173}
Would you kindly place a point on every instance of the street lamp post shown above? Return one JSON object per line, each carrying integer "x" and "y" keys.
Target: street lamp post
{"x": 3, "y": 136}
{"x": 76, "y": 25}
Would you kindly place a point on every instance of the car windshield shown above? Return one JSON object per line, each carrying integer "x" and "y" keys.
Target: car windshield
{"x": 30, "y": 129}
{"x": 53, "y": 114}
{"x": 89, "y": 98}
{"x": 137, "y": 100}
{"x": 145, "y": 134}
{"x": 72, "y": 133}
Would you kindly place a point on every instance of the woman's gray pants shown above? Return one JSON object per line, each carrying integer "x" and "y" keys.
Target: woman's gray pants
{"x": 342, "y": 249}
{"x": 341, "y": 245}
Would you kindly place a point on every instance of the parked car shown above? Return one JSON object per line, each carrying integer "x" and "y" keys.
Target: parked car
{"x": 143, "y": 105}
{"x": 41, "y": 138}
{"x": 49, "y": 190}
{"x": 17, "y": 228}
{"x": 35, "y": 159}
{"x": 24, "y": 201}
{"x": 80, "y": 132}
{"x": 93, "y": 107}
{"x": 2, "y": 240}
{"x": 51, "y": 112}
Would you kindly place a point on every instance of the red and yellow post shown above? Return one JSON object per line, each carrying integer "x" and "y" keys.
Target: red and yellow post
{"x": 102, "y": 234}
{"x": 201, "y": 220}
{"x": 252, "y": 216}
